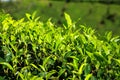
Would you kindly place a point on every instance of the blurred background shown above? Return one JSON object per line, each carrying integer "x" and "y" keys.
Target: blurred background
{"x": 102, "y": 15}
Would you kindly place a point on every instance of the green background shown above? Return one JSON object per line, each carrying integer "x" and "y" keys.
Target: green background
{"x": 101, "y": 15}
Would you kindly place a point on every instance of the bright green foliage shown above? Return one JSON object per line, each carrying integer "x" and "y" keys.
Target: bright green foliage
{"x": 33, "y": 50}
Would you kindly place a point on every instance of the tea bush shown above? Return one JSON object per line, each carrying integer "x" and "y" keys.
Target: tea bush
{"x": 35, "y": 50}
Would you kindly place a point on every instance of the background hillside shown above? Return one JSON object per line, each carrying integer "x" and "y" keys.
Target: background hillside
{"x": 101, "y": 15}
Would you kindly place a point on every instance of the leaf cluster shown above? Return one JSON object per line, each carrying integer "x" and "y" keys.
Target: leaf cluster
{"x": 36, "y": 50}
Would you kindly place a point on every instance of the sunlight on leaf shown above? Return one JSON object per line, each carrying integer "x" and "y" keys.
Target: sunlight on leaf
{"x": 88, "y": 77}
{"x": 8, "y": 65}
{"x": 69, "y": 21}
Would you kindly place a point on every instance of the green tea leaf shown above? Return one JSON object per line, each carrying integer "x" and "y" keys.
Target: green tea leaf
{"x": 36, "y": 78}
{"x": 35, "y": 67}
{"x": 117, "y": 60}
{"x": 46, "y": 60}
{"x": 29, "y": 16}
{"x": 21, "y": 76}
{"x": 50, "y": 73}
{"x": 13, "y": 47}
{"x": 69, "y": 21}
{"x": 61, "y": 72}
{"x": 108, "y": 35}
{"x": 42, "y": 67}
{"x": 33, "y": 15}
{"x": 88, "y": 76}
{"x": 80, "y": 71}
{"x": 90, "y": 55}
{"x": 75, "y": 63}
{"x": 87, "y": 69}
{"x": 8, "y": 65}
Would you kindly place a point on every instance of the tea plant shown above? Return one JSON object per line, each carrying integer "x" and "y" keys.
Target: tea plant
{"x": 35, "y": 50}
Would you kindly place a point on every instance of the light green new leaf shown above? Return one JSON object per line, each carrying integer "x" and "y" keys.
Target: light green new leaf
{"x": 75, "y": 62}
{"x": 50, "y": 73}
{"x": 90, "y": 55}
{"x": 61, "y": 72}
{"x": 8, "y": 65}
{"x": 42, "y": 67}
{"x": 36, "y": 78}
{"x": 46, "y": 60}
{"x": 36, "y": 19}
{"x": 108, "y": 35}
{"x": 88, "y": 76}
{"x": 33, "y": 15}
{"x": 35, "y": 67}
{"x": 81, "y": 68}
{"x": 79, "y": 50}
{"x": 24, "y": 69}
{"x": 68, "y": 19}
{"x": 13, "y": 37}
{"x": 13, "y": 47}
{"x": 99, "y": 57}
{"x": 117, "y": 60}
{"x": 21, "y": 75}
{"x": 50, "y": 25}
{"x": 28, "y": 16}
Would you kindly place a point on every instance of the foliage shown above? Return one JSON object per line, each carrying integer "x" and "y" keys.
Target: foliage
{"x": 35, "y": 50}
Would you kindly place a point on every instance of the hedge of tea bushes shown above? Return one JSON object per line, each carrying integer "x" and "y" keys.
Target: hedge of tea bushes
{"x": 36, "y": 50}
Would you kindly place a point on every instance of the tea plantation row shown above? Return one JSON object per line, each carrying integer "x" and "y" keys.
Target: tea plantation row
{"x": 36, "y": 50}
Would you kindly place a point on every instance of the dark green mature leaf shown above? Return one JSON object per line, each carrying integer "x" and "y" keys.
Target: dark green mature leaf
{"x": 87, "y": 69}
{"x": 2, "y": 78}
